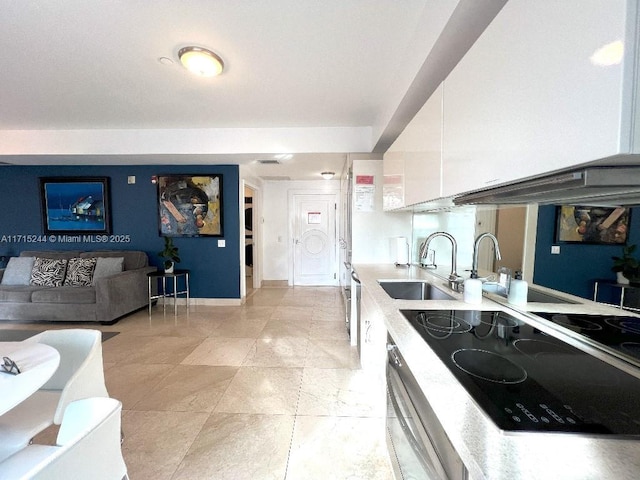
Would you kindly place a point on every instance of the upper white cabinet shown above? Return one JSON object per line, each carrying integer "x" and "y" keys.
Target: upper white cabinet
{"x": 413, "y": 164}
{"x": 544, "y": 87}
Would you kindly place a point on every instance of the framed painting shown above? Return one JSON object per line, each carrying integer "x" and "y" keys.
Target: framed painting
{"x": 591, "y": 224}
{"x": 190, "y": 205}
{"x": 75, "y": 205}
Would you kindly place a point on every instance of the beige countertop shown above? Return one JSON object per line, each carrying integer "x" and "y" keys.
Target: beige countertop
{"x": 488, "y": 452}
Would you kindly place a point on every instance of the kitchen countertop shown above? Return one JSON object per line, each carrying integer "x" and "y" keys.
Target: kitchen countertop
{"x": 488, "y": 452}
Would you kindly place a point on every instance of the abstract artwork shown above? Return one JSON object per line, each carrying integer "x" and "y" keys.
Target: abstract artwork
{"x": 592, "y": 224}
{"x": 190, "y": 205}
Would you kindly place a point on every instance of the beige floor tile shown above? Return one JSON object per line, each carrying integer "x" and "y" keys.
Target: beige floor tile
{"x": 220, "y": 351}
{"x": 262, "y": 390}
{"x": 277, "y": 352}
{"x": 156, "y": 442}
{"x": 189, "y": 388}
{"x": 328, "y": 330}
{"x": 239, "y": 327}
{"x": 148, "y": 349}
{"x": 239, "y": 447}
{"x": 250, "y": 312}
{"x": 342, "y": 392}
{"x": 328, "y": 313}
{"x": 267, "y": 297}
{"x": 286, "y": 327}
{"x": 323, "y": 353}
{"x": 338, "y": 448}
{"x": 131, "y": 382}
{"x": 295, "y": 313}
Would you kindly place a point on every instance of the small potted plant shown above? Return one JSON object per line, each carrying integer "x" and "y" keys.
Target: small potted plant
{"x": 170, "y": 254}
{"x": 627, "y": 266}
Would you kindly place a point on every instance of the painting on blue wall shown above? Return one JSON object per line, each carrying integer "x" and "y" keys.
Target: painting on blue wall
{"x": 190, "y": 205}
{"x": 75, "y": 205}
{"x": 592, "y": 224}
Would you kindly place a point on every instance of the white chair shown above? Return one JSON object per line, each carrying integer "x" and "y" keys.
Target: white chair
{"x": 87, "y": 447}
{"x": 79, "y": 375}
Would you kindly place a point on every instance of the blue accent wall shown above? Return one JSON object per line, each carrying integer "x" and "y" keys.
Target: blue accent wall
{"x": 215, "y": 272}
{"x": 578, "y": 265}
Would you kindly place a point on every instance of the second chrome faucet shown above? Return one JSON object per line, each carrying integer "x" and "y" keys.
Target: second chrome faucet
{"x": 454, "y": 279}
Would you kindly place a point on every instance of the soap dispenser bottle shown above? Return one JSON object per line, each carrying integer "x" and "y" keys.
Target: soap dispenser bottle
{"x": 472, "y": 292}
{"x": 518, "y": 290}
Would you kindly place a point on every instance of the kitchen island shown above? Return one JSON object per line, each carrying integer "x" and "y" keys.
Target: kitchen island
{"x": 487, "y": 451}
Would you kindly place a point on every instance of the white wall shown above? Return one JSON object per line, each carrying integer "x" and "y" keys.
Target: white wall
{"x": 373, "y": 231}
{"x": 276, "y": 234}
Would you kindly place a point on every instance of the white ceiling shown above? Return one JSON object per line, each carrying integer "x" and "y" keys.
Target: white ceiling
{"x": 82, "y": 81}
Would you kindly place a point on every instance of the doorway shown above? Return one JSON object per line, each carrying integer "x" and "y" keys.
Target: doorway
{"x": 315, "y": 259}
{"x": 250, "y": 235}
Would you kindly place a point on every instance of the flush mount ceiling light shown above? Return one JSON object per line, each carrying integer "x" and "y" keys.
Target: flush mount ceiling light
{"x": 201, "y": 61}
{"x": 328, "y": 175}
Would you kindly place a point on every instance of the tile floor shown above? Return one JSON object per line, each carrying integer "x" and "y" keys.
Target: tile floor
{"x": 268, "y": 390}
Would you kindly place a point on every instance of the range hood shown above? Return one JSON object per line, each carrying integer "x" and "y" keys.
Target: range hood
{"x": 605, "y": 186}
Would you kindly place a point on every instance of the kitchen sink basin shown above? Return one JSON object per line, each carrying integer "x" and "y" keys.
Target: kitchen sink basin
{"x": 413, "y": 290}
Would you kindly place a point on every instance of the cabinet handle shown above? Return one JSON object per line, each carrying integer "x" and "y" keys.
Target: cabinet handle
{"x": 391, "y": 349}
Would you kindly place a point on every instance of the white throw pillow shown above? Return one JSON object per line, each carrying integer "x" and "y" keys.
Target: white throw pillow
{"x": 107, "y": 266}
{"x": 18, "y": 271}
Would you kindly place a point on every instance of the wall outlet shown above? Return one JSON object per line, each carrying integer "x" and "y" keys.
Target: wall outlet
{"x": 131, "y": 179}
{"x": 221, "y": 243}
{"x": 555, "y": 249}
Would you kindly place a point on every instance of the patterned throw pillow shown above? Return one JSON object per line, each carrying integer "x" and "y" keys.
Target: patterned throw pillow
{"x": 80, "y": 272}
{"x": 47, "y": 272}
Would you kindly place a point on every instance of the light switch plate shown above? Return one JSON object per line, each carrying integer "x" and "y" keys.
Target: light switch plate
{"x": 131, "y": 179}
{"x": 221, "y": 243}
{"x": 555, "y": 249}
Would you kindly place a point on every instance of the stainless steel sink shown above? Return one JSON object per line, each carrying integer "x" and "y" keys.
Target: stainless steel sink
{"x": 413, "y": 290}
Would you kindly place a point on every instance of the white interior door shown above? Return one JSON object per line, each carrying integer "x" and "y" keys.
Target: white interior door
{"x": 314, "y": 240}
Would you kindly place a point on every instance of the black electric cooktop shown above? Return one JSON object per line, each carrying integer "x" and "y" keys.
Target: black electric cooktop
{"x": 619, "y": 333}
{"x": 527, "y": 380}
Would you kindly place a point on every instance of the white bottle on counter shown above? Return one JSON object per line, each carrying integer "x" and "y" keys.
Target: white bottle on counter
{"x": 518, "y": 290}
{"x": 472, "y": 292}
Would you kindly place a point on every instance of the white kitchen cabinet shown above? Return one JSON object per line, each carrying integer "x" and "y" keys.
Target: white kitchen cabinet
{"x": 412, "y": 165}
{"x": 532, "y": 96}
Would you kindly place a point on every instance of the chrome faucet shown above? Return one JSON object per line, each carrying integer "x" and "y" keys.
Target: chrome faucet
{"x": 454, "y": 279}
{"x": 474, "y": 266}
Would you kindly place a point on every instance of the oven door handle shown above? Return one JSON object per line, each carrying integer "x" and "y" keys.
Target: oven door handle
{"x": 420, "y": 453}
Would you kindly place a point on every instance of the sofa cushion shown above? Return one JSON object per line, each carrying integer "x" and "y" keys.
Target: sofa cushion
{"x": 18, "y": 271}
{"x": 17, "y": 293}
{"x": 64, "y": 295}
{"x": 105, "y": 267}
{"x": 133, "y": 259}
{"x": 80, "y": 272}
{"x": 48, "y": 272}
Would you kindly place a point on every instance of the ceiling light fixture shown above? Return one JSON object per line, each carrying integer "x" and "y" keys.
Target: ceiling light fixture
{"x": 201, "y": 61}
{"x": 328, "y": 175}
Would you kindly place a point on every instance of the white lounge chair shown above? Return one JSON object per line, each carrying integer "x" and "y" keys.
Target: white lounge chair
{"x": 87, "y": 447}
{"x": 79, "y": 375}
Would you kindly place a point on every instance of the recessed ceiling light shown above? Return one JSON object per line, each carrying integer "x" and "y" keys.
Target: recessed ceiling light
{"x": 201, "y": 61}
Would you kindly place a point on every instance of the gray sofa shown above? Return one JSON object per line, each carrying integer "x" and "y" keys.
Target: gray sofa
{"x": 112, "y": 293}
